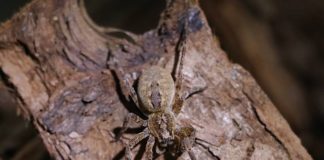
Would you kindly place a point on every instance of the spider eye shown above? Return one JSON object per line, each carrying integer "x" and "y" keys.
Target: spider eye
{"x": 170, "y": 142}
{"x": 160, "y": 150}
{"x": 163, "y": 144}
{"x": 166, "y": 142}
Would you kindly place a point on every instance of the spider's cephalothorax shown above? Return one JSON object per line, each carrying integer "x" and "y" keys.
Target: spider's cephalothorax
{"x": 159, "y": 97}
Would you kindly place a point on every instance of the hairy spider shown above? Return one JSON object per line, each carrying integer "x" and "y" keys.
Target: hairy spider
{"x": 158, "y": 97}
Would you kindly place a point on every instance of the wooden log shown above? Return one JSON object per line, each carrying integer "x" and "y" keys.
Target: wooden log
{"x": 62, "y": 70}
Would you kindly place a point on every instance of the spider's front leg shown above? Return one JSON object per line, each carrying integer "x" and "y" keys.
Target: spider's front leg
{"x": 185, "y": 140}
{"x": 138, "y": 137}
{"x": 149, "y": 147}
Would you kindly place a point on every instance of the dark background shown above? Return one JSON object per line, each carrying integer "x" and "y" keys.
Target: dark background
{"x": 280, "y": 42}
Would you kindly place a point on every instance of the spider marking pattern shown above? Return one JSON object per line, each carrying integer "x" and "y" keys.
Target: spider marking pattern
{"x": 159, "y": 97}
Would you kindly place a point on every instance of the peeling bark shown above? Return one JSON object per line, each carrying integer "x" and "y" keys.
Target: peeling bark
{"x": 62, "y": 69}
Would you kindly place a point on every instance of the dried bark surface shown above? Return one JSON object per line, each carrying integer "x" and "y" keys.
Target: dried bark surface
{"x": 241, "y": 30}
{"x": 61, "y": 68}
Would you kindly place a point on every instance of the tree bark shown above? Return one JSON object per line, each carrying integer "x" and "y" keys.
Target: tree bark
{"x": 62, "y": 70}
{"x": 240, "y": 31}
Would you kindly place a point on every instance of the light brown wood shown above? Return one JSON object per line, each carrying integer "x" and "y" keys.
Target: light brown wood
{"x": 62, "y": 71}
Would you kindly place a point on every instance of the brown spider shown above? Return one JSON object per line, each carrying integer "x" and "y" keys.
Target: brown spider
{"x": 158, "y": 97}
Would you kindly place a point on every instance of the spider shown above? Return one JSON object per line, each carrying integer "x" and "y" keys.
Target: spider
{"x": 158, "y": 97}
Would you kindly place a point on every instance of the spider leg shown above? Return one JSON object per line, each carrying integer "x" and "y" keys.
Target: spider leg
{"x": 181, "y": 50}
{"x": 192, "y": 155}
{"x": 127, "y": 86}
{"x": 138, "y": 137}
{"x": 197, "y": 85}
{"x": 131, "y": 90}
{"x": 159, "y": 150}
{"x": 149, "y": 147}
{"x": 186, "y": 139}
{"x": 131, "y": 117}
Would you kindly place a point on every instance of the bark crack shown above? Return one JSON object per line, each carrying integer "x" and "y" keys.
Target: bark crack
{"x": 266, "y": 128}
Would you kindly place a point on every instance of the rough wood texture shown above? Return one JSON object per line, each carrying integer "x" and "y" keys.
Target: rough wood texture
{"x": 241, "y": 30}
{"x": 62, "y": 71}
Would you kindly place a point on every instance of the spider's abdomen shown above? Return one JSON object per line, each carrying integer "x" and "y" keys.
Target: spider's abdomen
{"x": 156, "y": 90}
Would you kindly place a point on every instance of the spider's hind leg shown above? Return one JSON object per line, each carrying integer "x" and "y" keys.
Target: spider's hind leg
{"x": 131, "y": 91}
{"x": 178, "y": 73}
{"x": 181, "y": 51}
